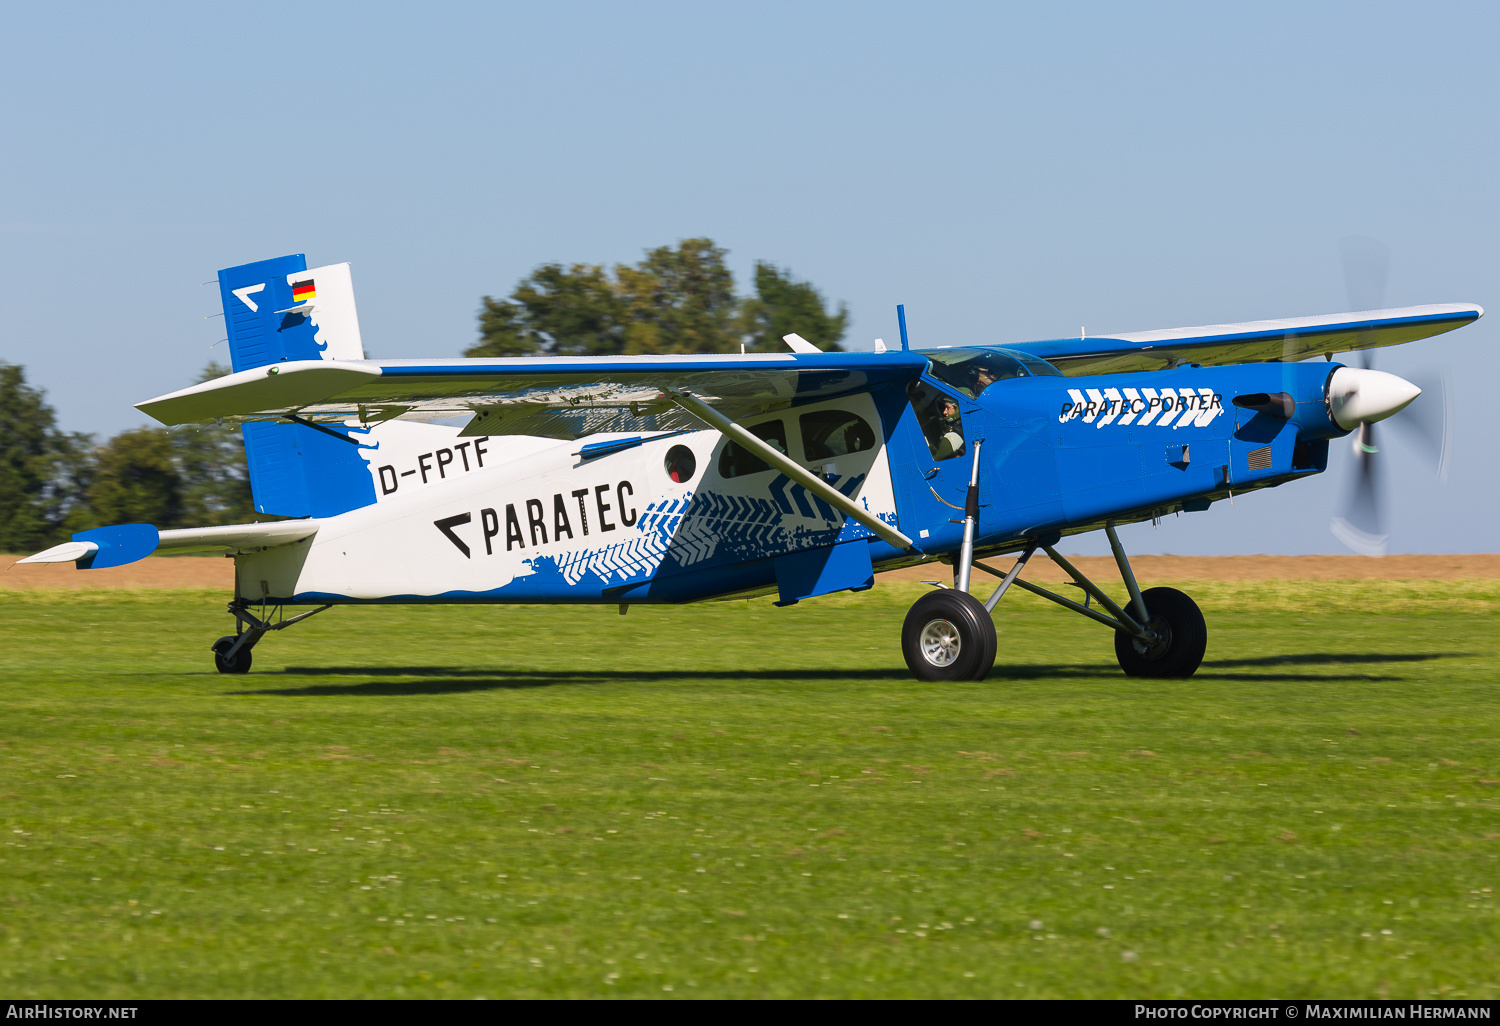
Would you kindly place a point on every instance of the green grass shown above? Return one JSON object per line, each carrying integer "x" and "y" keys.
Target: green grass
{"x": 733, "y": 800}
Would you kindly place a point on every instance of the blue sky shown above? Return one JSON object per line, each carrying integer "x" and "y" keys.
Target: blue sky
{"x": 1009, "y": 172}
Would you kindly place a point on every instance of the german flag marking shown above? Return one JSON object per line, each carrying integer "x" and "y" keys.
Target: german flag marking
{"x": 302, "y": 291}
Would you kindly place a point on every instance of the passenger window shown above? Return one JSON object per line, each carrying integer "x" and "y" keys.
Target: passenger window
{"x": 938, "y": 416}
{"x": 830, "y": 433}
{"x": 737, "y": 461}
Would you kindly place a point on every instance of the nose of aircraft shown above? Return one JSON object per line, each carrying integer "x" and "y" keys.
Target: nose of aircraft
{"x": 1357, "y": 396}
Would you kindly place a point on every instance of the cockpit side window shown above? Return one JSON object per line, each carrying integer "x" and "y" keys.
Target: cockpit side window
{"x": 971, "y": 374}
{"x": 1038, "y": 367}
{"x": 938, "y": 416}
{"x": 830, "y": 433}
{"x": 972, "y": 369}
{"x": 737, "y": 461}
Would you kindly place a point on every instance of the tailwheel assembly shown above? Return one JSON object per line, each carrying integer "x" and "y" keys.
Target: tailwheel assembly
{"x": 229, "y": 657}
{"x": 232, "y": 652}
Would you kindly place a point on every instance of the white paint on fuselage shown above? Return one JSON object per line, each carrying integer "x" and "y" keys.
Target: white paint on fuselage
{"x": 394, "y": 548}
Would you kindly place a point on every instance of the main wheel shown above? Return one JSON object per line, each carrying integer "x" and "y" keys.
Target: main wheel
{"x": 1182, "y": 637}
{"x": 948, "y": 635}
{"x": 241, "y": 661}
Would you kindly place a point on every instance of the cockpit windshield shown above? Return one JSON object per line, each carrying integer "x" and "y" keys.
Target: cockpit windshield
{"x": 972, "y": 369}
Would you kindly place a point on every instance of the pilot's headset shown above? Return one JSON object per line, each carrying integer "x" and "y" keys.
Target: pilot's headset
{"x": 988, "y": 371}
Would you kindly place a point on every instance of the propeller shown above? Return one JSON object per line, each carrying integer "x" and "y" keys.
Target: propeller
{"x": 1427, "y": 425}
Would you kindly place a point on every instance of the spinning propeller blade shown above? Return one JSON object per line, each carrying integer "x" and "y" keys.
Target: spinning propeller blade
{"x": 1428, "y": 424}
{"x": 1361, "y": 524}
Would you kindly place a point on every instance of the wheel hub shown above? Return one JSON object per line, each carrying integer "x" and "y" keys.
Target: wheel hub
{"x": 940, "y": 642}
{"x": 1160, "y": 644}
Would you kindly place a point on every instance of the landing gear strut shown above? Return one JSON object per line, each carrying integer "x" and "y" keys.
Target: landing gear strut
{"x": 232, "y": 652}
{"x": 949, "y": 635}
{"x": 1160, "y": 634}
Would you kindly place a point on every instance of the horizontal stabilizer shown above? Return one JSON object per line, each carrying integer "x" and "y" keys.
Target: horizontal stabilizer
{"x": 126, "y": 543}
{"x": 238, "y": 537}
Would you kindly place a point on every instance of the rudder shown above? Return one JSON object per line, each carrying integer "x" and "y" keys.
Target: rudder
{"x": 278, "y": 310}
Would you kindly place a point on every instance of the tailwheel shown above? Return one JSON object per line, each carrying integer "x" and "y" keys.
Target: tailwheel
{"x": 238, "y": 663}
{"x": 948, "y": 635}
{"x": 1182, "y": 637}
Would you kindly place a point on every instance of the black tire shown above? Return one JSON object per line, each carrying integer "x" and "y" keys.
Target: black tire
{"x": 948, "y": 635}
{"x": 1184, "y": 637}
{"x": 239, "y": 664}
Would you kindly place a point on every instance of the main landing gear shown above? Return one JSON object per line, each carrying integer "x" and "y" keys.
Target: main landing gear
{"x": 949, "y": 635}
{"x": 232, "y": 652}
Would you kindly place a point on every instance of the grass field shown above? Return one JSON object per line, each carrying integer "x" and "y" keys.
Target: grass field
{"x": 734, "y": 800}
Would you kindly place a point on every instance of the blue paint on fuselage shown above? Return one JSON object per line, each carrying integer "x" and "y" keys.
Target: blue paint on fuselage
{"x": 1048, "y": 468}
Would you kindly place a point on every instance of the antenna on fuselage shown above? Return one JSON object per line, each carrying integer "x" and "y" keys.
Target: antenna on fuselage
{"x": 901, "y": 318}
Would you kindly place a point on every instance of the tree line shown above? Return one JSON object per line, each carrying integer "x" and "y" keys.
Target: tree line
{"x": 54, "y": 483}
{"x": 677, "y": 300}
{"x": 682, "y": 299}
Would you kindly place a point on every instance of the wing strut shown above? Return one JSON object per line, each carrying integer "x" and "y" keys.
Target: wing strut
{"x": 806, "y": 478}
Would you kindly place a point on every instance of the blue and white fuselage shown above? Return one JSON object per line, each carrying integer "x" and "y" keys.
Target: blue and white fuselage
{"x": 521, "y": 519}
{"x": 665, "y": 479}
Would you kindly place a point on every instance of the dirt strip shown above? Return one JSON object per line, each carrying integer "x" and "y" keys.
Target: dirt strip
{"x": 154, "y": 572}
{"x": 218, "y": 572}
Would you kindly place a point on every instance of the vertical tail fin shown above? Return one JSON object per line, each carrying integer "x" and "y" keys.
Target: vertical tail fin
{"x": 278, "y": 310}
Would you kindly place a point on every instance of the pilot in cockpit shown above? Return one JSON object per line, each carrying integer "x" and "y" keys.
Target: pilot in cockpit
{"x": 950, "y": 433}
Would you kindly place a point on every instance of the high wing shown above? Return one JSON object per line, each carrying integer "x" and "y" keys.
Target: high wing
{"x": 1289, "y": 339}
{"x": 554, "y": 397}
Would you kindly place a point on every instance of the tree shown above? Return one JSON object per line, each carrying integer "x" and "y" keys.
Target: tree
{"x": 783, "y": 305}
{"x": 42, "y": 471}
{"x": 26, "y": 430}
{"x": 54, "y": 484}
{"x": 678, "y": 299}
{"x": 137, "y": 481}
{"x": 558, "y": 312}
{"x": 191, "y": 476}
{"x": 211, "y": 468}
{"x": 73, "y": 469}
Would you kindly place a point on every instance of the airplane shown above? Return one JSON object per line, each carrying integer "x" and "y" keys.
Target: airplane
{"x": 625, "y": 480}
